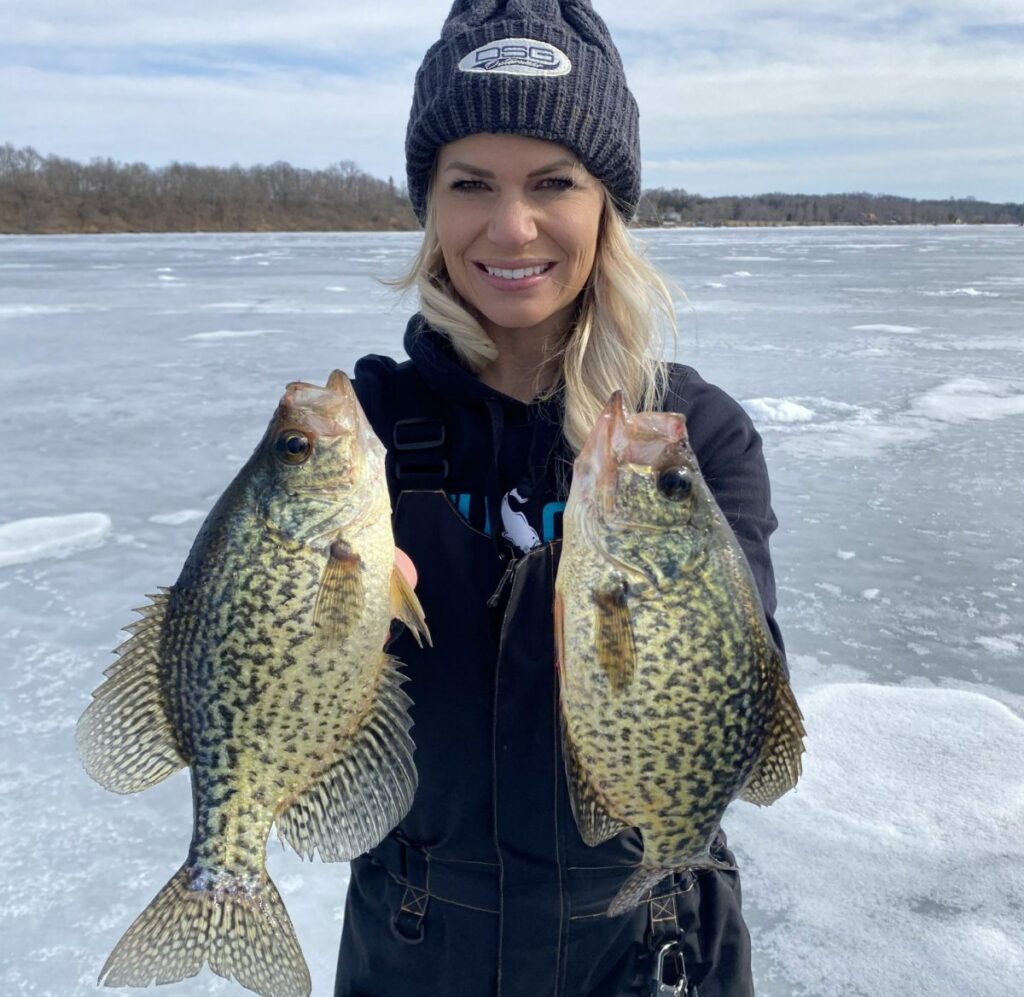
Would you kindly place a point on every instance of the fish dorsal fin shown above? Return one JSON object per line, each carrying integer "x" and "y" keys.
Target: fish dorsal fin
{"x": 592, "y": 818}
{"x": 124, "y": 737}
{"x": 405, "y": 606}
{"x": 369, "y": 787}
{"x": 340, "y": 599}
{"x": 615, "y": 647}
{"x": 778, "y": 769}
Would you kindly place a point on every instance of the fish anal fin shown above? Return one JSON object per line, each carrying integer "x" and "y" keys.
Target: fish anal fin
{"x": 340, "y": 599}
{"x": 406, "y": 607}
{"x": 240, "y": 928}
{"x": 594, "y": 821}
{"x": 615, "y": 647}
{"x": 124, "y": 737}
{"x": 778, "y": 769}
{"x": 364, "y": 794}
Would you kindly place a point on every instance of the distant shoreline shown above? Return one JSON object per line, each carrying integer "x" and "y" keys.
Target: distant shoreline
{"x": 48, "y": 195}
{"x": 374, "y": 231}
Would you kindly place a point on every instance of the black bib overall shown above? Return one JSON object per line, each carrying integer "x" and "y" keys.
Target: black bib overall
{"x": 486, "y": 888}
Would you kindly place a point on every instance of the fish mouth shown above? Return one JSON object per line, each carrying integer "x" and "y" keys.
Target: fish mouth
{"x": 646, "y": 439}
{"x": 326, "y": 412}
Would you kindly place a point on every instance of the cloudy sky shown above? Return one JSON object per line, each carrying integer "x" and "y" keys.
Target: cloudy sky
{"x": 736, "y": 96}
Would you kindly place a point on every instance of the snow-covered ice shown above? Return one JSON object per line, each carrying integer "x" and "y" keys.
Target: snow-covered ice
{"x": 177, "y": 518}
{"x": 30, "y": 539}
{"x": 908, "y": 816}
{"x": 888, "y": 387}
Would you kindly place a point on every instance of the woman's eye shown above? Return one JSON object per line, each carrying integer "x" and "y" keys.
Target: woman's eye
{"x": 558, "y": 183}
{"x": 467, "y": 185}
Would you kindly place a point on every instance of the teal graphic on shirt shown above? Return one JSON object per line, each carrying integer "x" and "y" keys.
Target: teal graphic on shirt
{"x": 521, "y": 524}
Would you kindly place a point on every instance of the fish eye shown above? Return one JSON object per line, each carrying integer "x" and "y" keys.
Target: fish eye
{"x": 675, "y": 483}
{"x": 293, "y": 447}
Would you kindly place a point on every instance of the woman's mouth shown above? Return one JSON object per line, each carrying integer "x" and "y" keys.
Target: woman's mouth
{"x": 516, "y": 273}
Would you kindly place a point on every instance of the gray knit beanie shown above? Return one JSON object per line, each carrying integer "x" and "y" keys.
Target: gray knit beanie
{"x": 543, "y": 68}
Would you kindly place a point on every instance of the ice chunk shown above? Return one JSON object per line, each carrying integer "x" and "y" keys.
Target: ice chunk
{"x": 177, "y": 518}
{"x": 27, "y": 540}
{"x": 777, "y": 410}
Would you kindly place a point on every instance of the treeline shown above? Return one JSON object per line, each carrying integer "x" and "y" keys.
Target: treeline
{"x": 678, "y": 207}
{"x": 49, "y": 194}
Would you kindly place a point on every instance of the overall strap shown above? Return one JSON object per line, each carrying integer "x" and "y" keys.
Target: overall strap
{"x": 417, "y": 449}
{"x": 416, "y": 438}
{"x": 668, "y": 970}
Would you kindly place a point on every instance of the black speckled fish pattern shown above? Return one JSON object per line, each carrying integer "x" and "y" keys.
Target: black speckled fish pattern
{"x": 674, "y": 698}
{"x": 261, "y": 669}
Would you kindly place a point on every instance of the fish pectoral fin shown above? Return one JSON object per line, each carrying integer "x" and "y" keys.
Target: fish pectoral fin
{"x": 369, "y": 787}
{"x": 340, "y": 599}
{"x": 405, "y": 606}
{"x": 592, "y": 818}
{"x": 778, "y": 769}
{"x": 124, "y": 737}
{"x": 242, "y": 929}
{"x": 616, "y": 649}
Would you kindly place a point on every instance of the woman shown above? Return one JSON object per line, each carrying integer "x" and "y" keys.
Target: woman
{"x": 523, "y": 165}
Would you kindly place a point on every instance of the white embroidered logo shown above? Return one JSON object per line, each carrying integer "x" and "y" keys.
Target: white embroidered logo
{"x": 517, "y": 530}
{"x": 517, "y": 57}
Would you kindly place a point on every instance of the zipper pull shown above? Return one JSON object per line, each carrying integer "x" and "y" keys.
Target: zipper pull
{"x": 510, "y": 570}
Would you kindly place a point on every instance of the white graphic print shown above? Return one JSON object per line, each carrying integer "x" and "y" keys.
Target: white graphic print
{"x": 517, "y": 530}
{"x": 517, "y": 57}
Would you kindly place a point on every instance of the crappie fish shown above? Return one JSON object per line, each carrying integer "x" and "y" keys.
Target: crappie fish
{"x": 674, "y": 697}
{"x": 262, "y": 670}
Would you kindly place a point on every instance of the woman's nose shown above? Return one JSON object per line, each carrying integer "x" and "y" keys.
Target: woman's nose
{"x": 513, "y": 222}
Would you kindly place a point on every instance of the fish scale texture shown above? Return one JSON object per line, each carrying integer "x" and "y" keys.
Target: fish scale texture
{"x": 283, "y": 704}
{"x": 665, "y": 741}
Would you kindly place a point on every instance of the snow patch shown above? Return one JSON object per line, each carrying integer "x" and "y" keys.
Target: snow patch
{"x": 966, "y": 398}
{"x": 26, "y": 540}
{"x": 777, "y": 410}
{"x": 177, "y": 518}
{"x": 961, "y": 292}
{"x": 1004, "y": 645}
{"x": 886, "y": 328}
{"x": 907, "y": 818}
{"x": 221, "y": 334}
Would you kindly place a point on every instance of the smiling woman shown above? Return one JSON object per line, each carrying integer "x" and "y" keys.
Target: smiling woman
{"x": 517, "y": 224}
{"x": 524, "y": 166}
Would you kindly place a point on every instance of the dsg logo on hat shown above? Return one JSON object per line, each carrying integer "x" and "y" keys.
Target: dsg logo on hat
{"x": 517, "y": 57}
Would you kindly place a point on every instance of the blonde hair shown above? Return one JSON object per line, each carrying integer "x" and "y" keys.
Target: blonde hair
{"x": 615, "y": 341}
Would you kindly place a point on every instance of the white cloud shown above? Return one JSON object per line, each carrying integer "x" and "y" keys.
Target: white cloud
{"x": 743, "y": 97}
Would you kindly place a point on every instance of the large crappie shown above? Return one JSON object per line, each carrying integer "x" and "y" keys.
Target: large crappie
{"x": 674, "y": 696}
{"x": 262, "y": 670}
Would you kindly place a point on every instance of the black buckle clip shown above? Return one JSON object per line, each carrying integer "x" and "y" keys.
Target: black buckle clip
{"x": 405, "y": 437}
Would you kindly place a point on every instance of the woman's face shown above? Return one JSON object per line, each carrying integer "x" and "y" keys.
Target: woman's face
{"x": 518, "y": 221}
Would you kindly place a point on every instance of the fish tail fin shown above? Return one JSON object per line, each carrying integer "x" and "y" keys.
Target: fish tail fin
{"x": 635, "y": 890}
{"x": 244, "y": 933}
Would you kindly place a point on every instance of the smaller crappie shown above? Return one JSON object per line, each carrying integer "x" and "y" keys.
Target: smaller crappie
{"x": 262, "y": 669}
{"x": 674, "y": 697}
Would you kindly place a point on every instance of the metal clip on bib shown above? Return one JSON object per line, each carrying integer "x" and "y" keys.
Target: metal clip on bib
{"x": 669, "y": 972}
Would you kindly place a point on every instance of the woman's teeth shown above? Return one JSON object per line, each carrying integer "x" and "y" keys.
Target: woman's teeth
{"x": 519, "y": 273}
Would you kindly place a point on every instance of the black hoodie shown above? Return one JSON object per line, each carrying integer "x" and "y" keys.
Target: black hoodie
{"x": 486, "y": 887}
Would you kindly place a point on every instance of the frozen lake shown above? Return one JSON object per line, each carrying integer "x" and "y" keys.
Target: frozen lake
{"x": 885, "y": 369}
